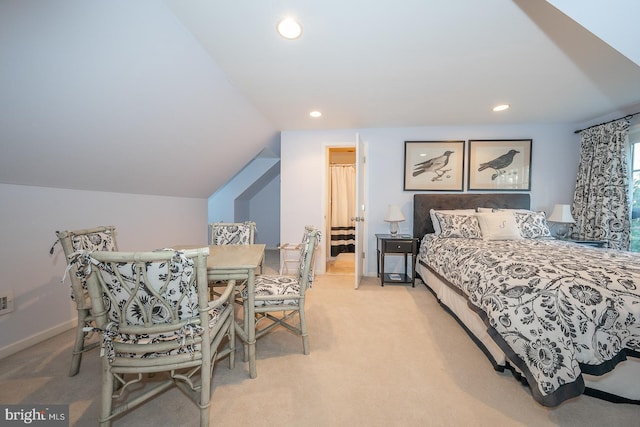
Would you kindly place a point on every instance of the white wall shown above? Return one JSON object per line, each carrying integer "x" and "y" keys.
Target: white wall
{"x": 29, "y": 217}
{"x": 264, "y": 209}
{"x": 221, "y": 204}
{"x": 303, "y": 173}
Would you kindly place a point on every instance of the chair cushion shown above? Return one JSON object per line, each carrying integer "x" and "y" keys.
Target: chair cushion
{"x": 270, "y": 285}
{"x": 231, "y": 234}
{"x": 99, "y": 241}
{"x": 189, "y": 330}
{"x": 167, "y": 302}
{"x": 163, "y": 293}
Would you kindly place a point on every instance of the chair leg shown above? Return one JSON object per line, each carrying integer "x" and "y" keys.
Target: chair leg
{"x": 245, "y": 345}
{"x": 205, "y": 392}
{"x": 107, "y": 392}
{"x": 303, "y": 330}
{"x": 232, "y": 342}
{"x": 78, "y": 347}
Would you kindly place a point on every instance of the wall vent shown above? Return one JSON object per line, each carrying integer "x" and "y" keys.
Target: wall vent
{"x": 6, "y": 302}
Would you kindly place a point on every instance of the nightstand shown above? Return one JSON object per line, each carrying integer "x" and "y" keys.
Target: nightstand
{"x": 586, "y": 242}
{"x": 402, "y": 244}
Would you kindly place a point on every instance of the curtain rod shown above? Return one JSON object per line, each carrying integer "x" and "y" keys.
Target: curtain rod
{"x": 628, "y": 117}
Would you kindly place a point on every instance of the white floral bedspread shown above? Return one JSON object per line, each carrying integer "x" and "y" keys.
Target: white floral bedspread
{"x": 557, "y": 309}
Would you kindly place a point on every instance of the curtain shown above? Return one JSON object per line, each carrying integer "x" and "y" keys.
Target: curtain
{"x": 343, "y": 208}
{"x": 601, "y": 198}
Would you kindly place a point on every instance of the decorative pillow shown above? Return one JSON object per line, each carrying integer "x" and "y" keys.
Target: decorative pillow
{"x": 452, "y": 225}
{"x": 532, "y": 224}
{"x": 484, "y": 210}
{"x": 499, "y": 226}
{"x": 511, "y": 210}
{"x": 436, "y": 224}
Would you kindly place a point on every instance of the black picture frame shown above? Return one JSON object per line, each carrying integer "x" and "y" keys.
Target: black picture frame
{"x": 499, "y": 164}
{"x": 434, "y": 165}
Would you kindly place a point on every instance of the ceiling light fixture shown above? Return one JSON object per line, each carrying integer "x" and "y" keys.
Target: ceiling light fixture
{"x": 315, "y": 114}
{"x": 501, "y": 107}
{"x": 289, "y": 28}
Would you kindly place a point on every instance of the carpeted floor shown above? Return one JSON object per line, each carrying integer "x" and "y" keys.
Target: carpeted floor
{"x": 380, "y": 356}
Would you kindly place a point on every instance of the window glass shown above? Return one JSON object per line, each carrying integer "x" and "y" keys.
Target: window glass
{"x": 635, "y": 199}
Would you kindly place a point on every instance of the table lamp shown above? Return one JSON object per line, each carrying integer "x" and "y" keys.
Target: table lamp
{"x": 393, "y": 217}
{"x": 561, "y": 214}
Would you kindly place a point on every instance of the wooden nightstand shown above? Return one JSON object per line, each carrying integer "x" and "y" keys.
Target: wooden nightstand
{"x": 402, "y": 244}
{"x": 586, "y": 242}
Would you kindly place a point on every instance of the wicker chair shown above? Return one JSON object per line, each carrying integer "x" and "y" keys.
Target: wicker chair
{"x": 99, "y": 238}
{"x": 231, "y": 233}
{"x": 153, "y": 311}
{"x": 284, "y": 294}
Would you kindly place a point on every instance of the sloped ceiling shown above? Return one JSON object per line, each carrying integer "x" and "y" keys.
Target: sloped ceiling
{"x": 118, "y": 96}
{"x": 175, "y": 97}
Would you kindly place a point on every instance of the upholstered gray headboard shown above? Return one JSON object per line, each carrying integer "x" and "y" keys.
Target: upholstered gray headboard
{"x": 422, "y": 203}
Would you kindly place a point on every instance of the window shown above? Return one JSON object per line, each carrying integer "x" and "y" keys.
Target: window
{"x": 634, "y": 139}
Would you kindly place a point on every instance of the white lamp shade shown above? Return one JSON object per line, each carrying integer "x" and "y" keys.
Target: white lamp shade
{"x": 561, "y": 214}
{"x": 394, "y": 214}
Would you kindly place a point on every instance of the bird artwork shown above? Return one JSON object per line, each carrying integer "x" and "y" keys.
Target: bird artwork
{"x": 436, "y": 165}
{"x": 499, "y": 164}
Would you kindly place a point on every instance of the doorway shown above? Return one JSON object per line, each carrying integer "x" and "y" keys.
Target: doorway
{"x": 341, "y": 209}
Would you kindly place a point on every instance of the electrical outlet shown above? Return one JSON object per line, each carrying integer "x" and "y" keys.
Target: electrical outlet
{"x": 6, "y": 302}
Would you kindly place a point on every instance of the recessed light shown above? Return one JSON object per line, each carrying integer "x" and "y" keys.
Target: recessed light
{"x": 501, "y": 107}
{"x": 315, "y": 114}
{"x": 289, "y": 28}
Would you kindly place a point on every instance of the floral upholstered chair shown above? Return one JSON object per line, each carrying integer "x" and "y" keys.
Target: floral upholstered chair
{"x": 153, "y": 312}
{"x": 232, "y": 233}
{"x": 92, "y": 239}
{"x": 284, "y": 294}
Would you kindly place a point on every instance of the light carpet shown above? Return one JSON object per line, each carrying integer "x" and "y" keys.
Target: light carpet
{"x": 380, "y": 356}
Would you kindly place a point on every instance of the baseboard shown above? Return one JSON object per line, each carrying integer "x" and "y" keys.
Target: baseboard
{"x": 37, "y": 338}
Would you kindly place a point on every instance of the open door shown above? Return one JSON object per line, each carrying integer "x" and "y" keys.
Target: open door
{"x": 360, "y": 212}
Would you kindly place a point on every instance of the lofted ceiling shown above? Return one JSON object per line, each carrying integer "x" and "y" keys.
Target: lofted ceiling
{"x": 388, "y": 63}
{"x": 174, "y": 97}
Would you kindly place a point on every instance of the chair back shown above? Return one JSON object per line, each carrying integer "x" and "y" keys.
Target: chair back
{"x": 150, "y": 304}
{"x": 310, "y": 240}
{"x": 91, "y": 239}
{"x": 232, "y": 233}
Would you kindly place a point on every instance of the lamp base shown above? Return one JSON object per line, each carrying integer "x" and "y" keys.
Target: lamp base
{"x": 393, "y": 229}
{"x": 563, "y": 232}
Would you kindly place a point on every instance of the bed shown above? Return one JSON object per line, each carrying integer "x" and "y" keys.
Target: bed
{"x": 564, "y": 318}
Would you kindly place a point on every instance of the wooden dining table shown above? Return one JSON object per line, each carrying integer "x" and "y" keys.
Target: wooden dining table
{"x": 239, "y": 263}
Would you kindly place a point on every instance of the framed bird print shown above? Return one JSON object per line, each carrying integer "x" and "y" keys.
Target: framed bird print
{"x": 500, "y": 165}
{"x": 433, "y": 165}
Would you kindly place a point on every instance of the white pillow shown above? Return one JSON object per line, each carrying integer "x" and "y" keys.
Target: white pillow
{"x": 436, "y": 223}
{"x": 532, "y": 224}
{"x": 499, "y": 226}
